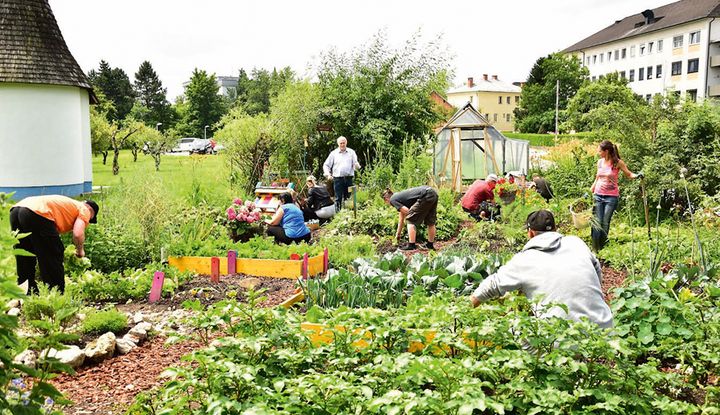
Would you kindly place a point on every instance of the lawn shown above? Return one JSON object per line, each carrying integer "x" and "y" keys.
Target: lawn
{"x": 182, "y": 175}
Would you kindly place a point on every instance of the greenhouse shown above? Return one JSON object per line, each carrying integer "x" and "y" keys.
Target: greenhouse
{"x": 468, "y": 147}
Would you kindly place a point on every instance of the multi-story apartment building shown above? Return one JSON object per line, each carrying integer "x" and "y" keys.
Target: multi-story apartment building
{"x": 675, "y": 47}
{"x": 492, "y": 98}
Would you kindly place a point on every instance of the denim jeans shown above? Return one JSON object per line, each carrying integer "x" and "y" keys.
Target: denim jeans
{"x": 603, "y": 210}
{"x": 341, "y": 185}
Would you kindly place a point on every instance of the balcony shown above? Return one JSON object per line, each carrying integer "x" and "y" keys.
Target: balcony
{"x": 715, "y": 61}
{"x": 714, "y": 90}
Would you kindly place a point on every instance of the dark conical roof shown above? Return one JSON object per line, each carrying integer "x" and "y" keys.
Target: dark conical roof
{"x": 32, "y": 48}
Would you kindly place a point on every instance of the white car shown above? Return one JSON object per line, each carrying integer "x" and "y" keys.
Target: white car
{"x": 184, "y": 145}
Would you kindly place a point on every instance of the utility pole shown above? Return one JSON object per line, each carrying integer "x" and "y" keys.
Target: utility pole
{"x": 557, "y": 106}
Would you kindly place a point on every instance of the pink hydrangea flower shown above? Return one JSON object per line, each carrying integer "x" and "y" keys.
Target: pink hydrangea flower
{"x": 238, "y": 201}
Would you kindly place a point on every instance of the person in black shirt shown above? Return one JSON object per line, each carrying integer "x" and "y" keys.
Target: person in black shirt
{"x": 318, "y": 204}
{"x": 417, "y": 205}
{"x": 543, "y": 187}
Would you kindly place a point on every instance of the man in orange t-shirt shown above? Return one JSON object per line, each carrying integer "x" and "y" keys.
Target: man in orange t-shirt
{"x": 45, "y": 218}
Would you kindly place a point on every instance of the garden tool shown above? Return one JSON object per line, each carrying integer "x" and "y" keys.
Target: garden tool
{"x": 645, "y": 205}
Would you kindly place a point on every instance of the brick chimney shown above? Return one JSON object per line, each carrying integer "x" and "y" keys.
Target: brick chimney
{"x": 470, "y": 83}
{"x": 485, "y": 77}
{"x": 494, "y": 77}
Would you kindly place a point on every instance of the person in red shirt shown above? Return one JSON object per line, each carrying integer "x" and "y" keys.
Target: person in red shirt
{"x": 45, "y": 218}
{"x": 480, "y": 191}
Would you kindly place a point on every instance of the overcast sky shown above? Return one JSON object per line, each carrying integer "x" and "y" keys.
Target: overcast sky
{"x": 221, "y": 36}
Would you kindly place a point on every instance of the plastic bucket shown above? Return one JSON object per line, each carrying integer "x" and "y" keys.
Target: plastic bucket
{"x": 581, "y": 220}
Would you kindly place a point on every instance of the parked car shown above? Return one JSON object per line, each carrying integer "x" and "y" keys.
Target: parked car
{"x": 185, "y": 144}
{"x": 201, "y": 146}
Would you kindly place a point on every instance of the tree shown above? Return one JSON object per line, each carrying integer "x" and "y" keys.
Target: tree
{"x": 536, "y": 112}
{"x": 248, "y": 143}
{"x": 100, "y": 132}
{"x": 151, "y": 94}
{"x": 115, "y": 85}
{"x": 119, "y": 137}
{"x": 295, "y": 114}
{"x": 255, "y": 92}
{"x": 592, "y": 95}
{"x": 155, "y": 143}
{"x": 378, "y": 96}
{"x": 204, "y": 105}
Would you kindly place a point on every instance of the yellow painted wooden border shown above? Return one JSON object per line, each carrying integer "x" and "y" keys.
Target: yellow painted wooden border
{"x": 320, "y": 334}
{"x": 273, "y": 268}
{"x": 292, "y": 300}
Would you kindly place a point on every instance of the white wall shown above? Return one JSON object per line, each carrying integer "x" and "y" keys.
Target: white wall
{"x": 86, "y": 144}
{"x": 44, "y": 134}
{"x": 665, "y": 58}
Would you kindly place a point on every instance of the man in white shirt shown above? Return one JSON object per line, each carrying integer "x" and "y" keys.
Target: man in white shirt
{"x": 340, "y": 167}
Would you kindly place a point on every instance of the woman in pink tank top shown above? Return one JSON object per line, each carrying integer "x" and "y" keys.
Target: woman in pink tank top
{"x": 606, "y": 191}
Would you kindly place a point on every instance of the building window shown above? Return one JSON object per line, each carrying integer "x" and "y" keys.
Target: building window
{"x": 658, "y": 71}
{"x": 495, "y": 117}
{"x": 499, "y": 101}
{"x": 594, "y": 59}
{"x": 487, "y": 117}
{"x": 641, "y": 74}
{"x": 593, "y": 79}
{"x": 507, "y": 100}
{"x": 691, "y": 95}
{"x": 649, "y": 72}
{"x": 507, "y": 117}
{"x": 623, "y": 53}
{"x": 471, "y": 99}
{"x": 678, "y": 41}
{"x": 648, "y": 97}
{"x": 632, "y": 51}
{"x": 617, "y": 54}
{"x": 642, "y": 49}
{"x": 517, "y": 99}
{"x": 622, "y": 74}
{"x": 693, "y": 65}
{"x": 694, "y": 40}
{"x": 602, "y": 56}
{"x": 650, "y": 46}
{"x": 676, "y": 68}
{"x": 659, "y": 45}
{"x": 631, "y": 75}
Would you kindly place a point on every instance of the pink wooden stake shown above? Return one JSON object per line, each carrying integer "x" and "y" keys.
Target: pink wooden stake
{"x": 215, "y": 269}
{"x": 157, "y": 284}
{"x": 326, "y": 261}
{"x": 305, "y": 266}
{"x": 232, "y": 262}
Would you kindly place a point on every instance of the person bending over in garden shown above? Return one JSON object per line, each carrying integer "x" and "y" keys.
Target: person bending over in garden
{"x": 340, "y": 167}
{"x": 319, "y": 204}
{"x": 542, "y": 186}
{"x": 475, "y": 201}
{"x": 45, "y": 218}
{"x": 287, "y": 225}
{"x": 417, "y": 205}
{"x": 606, "y": 191}
{"x": 559, "y": 268}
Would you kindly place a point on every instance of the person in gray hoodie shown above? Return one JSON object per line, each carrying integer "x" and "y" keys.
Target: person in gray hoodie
{"x": 561, "y": 268}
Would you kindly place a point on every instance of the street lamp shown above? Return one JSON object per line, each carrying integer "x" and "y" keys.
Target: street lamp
{"x": 157, "y": 126}
{"x": 205, "y": 132}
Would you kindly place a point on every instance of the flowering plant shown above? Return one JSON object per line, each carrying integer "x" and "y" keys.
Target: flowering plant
{"x": 242, "y": 219}
{"x": 505, "y": 187}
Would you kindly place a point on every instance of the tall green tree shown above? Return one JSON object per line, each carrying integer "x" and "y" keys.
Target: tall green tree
{"x": 536, "y": 112}
{"x": 152, "y": 95}
{"x": 254, "y": 92}
{"x": 379, "y": 96}
{"x": 204, "y": 104}
{"x": 115, "y": 85}
{"x": 593, "y": 95}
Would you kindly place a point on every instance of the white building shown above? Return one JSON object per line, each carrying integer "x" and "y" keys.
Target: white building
{"x": 675, "y": 47}
{"x": 44, "y": 106}
{"x": 227, "y": 84}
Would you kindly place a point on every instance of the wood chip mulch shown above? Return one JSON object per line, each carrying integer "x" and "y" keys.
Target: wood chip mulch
{"x": 111, "y": 386}
{"x": 612, "y": 278}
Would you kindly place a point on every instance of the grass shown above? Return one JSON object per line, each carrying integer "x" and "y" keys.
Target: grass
{"x": 182, "y": 176}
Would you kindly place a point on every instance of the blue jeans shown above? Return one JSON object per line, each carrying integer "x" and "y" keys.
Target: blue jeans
{"x": 341, "y": 185}
{"x": 603, "y": 210}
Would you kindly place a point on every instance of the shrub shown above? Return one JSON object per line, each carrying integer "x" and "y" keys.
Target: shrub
{"x": 52, "y": 306}
{"x": 103, "y": 321}
{"x": 115, "y": 248}
{"x": 573, "y": 170}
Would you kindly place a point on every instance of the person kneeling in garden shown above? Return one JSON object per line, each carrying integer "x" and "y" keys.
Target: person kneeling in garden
{"x": 478, "y": 200}
{"x": 319, "y": 205}
{"x": 417, "y": 205}
{"x": 560, "y": 268}
{"x": 287, "y": 225}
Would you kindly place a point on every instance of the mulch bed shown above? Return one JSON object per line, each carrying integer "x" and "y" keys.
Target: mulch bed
{"x": 612, "y": 278}
{"x": 111, "y": 386}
